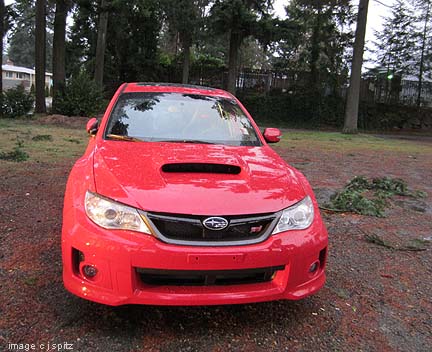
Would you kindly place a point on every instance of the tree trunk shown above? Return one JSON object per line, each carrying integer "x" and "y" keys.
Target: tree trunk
{"x": 423, "y": 48}
{"x": 2, "y": 20}
{"x": 186, "y": 62}
{"x": 235, "y": 42}
{"x": 101, "y": 44}
{"x": 315, "y": 53}
{"x": 353, "y": 96}
{"x": 40, "y": 44}
{"x": 59, "y": 48}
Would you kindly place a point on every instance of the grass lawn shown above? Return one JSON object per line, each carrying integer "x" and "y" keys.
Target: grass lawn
{"x": 43, "y": 143}
{"x": 337, "y": 141}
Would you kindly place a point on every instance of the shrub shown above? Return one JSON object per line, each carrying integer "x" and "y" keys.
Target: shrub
{"x": 15, "y": 102}
{"x": 42, "y": 137}
{"x": 16, "y": 155}
{"x": 81, "y": 97}
{"x": 295, "y": 109}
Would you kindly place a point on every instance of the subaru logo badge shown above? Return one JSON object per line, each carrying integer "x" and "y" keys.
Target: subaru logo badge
{"x": 215, "y": 223}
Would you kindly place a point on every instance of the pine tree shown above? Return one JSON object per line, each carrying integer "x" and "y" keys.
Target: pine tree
{"x": 131, "y": 52}
{"x": 423, "y": 52}
{"x": 395, "y": 44}
{"x": 59, "y": 50}
{"x": 81, "y": 46}
{"x": 22, "y": 34}
{"x": 101, "y": 42}
{"x": 238, "y": 18}
{"x": 353, "y": 94}
{"x": 185, "y": 19}
{"x": 316, "y": 37}
{"x": 40, "y": 68}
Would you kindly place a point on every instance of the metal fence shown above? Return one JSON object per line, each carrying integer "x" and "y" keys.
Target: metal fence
{"x": 373, "y": 89}
{"x": 396, "y": 91}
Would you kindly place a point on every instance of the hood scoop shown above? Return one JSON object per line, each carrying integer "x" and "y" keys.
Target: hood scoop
{"x": 207, "y": 168}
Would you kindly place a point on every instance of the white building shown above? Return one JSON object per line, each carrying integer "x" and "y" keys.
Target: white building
{"x": 16, "y": 75}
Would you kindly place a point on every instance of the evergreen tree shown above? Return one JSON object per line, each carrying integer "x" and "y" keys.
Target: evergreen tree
{"x": 395, "y": 45}
{"x": 316, "y": 39}
{"x": 81, "y": 46}
{"x": 40, "y": 63}
{"x": 185, "y": 19}
{"x": 132, "y": 41}
{"x": 423, "y": 52}
{"x": 353, "y": 94}
{"x": 22, "y": 34}
{"x": 131, "y": 52}
{"x": 101, "y": 42}
{"x": 59, "y": 50}
{"x": 240, "y": 19}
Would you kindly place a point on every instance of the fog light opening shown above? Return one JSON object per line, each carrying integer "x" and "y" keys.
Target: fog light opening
{"x": 89, "y": 271}
{"x": 314, "y": 267}
{"x": 77, "y": 258}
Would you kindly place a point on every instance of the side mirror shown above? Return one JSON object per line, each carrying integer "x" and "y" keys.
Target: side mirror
{"x": 272, "y": 135}
{"x": 92, "y": 126}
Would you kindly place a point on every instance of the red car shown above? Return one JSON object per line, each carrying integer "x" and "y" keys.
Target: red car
{"x": 179, "y": 200}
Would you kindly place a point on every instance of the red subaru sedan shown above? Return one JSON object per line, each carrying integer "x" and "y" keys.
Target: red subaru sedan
{"x": 179, "y": 200}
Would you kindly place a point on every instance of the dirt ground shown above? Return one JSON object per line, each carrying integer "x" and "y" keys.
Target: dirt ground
{"x": 376, "y": 298}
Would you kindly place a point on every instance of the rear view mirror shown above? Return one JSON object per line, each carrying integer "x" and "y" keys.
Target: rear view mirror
{"x": 272, "y": 135}
{"x": 92, "y": 126}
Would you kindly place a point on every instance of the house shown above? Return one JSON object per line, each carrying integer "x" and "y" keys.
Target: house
{"x": 16, "y": 75}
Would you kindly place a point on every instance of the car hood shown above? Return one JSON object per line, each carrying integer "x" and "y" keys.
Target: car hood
{"x": 133, "y": 173}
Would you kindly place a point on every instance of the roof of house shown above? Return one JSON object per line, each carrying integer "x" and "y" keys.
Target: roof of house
{"x": 14, "y": 68}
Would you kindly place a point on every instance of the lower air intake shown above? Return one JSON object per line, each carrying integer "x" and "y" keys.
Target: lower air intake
{"x": 207, "y": 277}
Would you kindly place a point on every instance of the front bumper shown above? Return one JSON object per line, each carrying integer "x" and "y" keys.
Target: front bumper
{"x": 119, "y": 255}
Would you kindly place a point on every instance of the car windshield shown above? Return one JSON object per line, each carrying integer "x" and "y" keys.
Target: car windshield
{"x": 184, "y": 118}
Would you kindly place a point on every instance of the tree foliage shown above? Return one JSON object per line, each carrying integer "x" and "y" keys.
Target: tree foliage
{"x": 132, "y": 39}
{"x": 396, "y": 42}
{"x": 316, "y": 38}
{"x": 15, "y": 102}
{"x": 184, "y": 20}
{"x": 423, "y": 36}
{"x": 80, "y": 97}
{"x": 240, "y": 18}
{"x": 22, "y": 33}
{"x": 163, "y": 40}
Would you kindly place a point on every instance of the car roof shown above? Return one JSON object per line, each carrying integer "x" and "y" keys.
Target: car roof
{"x": 174, "y": 88}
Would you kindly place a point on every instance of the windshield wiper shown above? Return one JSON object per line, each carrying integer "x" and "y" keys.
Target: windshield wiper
{"x": 123, "y": 138}
{"x": 194, "y": 141}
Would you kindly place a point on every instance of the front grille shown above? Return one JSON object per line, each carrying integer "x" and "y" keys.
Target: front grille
{"x": 188, "y": 229}
{"x": 207, "y": 277}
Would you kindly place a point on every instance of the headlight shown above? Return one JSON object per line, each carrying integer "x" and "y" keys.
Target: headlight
{"x": 112, "y": 215}
{"x": 296, "y": 217}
